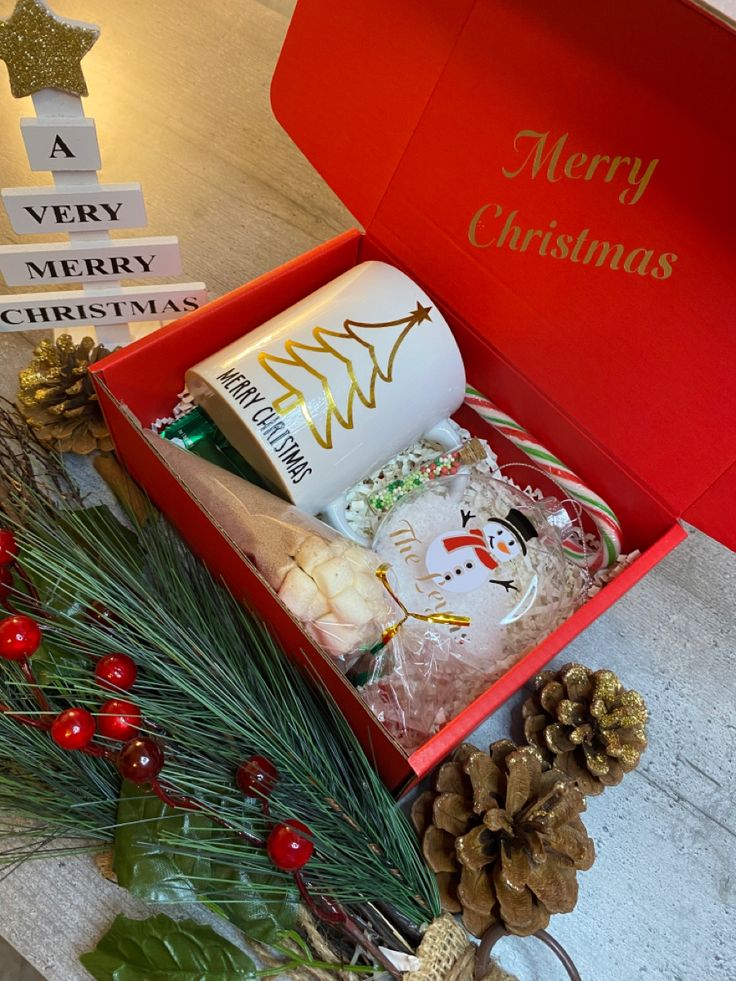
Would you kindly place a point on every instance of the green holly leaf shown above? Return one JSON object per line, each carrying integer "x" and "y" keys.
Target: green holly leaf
{"x": 162, "y": 949}
{"x": 263, "y": 906}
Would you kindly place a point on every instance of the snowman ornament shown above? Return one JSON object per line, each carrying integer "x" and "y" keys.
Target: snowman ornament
{"x": 469, "y": 545}
{"x": 465, "y": 560}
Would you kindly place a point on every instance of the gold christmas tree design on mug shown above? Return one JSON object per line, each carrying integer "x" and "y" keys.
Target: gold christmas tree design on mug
{"x": 308, "y": 376}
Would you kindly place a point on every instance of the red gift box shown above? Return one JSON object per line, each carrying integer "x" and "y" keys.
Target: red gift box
{"x": 558, "y": 176}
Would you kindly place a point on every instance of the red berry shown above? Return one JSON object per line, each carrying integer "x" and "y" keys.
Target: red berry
{"x": 116, "y": 672}
{"x": 73, "y": 729}
{"x": 8, "y": 547}
{"x": 141, "y": 760}
{"x": 119, "y": 720}
{"x": 257, "y": 777}
{"x": 20, "y": 637}
{"x": 287, "y": 847}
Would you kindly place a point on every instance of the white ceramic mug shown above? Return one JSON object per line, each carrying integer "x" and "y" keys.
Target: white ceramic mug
{"x": 335, "y": 386}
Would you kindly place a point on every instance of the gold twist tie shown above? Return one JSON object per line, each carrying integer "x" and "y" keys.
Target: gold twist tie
{"x": 453, "y": 619}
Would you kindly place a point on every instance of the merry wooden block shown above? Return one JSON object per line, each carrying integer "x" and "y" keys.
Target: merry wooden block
{"x": 84, "y": 262}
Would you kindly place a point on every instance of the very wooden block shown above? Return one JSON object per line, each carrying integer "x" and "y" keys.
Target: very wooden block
{"x": 61, "y": 144}
{"x": 139, "y": 258}
{"x": 32, "y": 210}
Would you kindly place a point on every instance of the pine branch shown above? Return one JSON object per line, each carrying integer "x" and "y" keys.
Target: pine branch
{"x": 51, "y": 802}
{"x": 214, "y": 681}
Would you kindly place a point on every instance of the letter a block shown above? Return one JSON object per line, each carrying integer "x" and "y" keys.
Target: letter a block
{"x": 61, "y": 144}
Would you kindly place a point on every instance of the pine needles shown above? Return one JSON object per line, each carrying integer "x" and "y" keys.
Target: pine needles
{"x": 215, "y": 687}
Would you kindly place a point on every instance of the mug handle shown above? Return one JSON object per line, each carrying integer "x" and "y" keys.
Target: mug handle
{"x": 335, "y": 514}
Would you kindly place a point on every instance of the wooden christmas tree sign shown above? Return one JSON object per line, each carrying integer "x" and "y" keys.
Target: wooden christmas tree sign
{"x": 43, "y": 53}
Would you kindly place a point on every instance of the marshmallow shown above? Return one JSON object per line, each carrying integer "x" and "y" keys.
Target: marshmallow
{"x": 350, "y": 607}
{"x": 298, "y": 593}
{"x": 339, "y": 546}
{"x": 362, "y": 558}
{"x": 318, "y": 607}
{"x": 333, "y": 576}
{"x": 372, "y": 590}
{"x": 311, "y": 552}
{"x": 336, "y": 638}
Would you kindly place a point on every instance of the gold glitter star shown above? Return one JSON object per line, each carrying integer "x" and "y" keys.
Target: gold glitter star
{"x": 43, "y": 51}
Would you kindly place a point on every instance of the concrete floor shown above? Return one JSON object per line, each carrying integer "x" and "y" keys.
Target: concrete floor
{"x": 13, "y": 967}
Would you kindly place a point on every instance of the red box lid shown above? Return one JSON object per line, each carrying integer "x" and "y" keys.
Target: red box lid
{"x": 604, "y": 134}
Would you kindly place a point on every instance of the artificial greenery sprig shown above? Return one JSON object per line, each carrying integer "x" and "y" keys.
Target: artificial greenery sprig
{"x": 214, "y": 687}
{"x": 217, "y": 684}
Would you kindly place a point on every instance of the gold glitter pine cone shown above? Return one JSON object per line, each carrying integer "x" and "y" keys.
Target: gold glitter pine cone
{"x": 503, "y": 835}
{"x": 587, "y": 725}
{"x": 57, "y": 399}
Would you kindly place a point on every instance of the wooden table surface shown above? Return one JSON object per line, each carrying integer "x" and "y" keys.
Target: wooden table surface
{"x": 180, "y": 97}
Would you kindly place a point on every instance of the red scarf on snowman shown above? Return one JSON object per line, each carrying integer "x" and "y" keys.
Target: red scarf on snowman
{"x": 475, "y": 539}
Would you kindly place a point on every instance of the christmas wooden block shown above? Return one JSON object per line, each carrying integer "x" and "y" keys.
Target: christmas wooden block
{"x": 140, "y": 258}
{"x": 32, "y": 210}
{"x": 74, "y": 308}
{"x": 61, "y": 144}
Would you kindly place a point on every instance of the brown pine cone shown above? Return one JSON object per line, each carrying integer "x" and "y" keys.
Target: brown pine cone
{"x": 57, "y": 398}
{"x": 587, "y": 725}
{"x": 502, "y": 833}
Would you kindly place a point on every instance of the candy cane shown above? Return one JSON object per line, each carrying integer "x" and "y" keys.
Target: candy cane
{"x": 606, "y": 522}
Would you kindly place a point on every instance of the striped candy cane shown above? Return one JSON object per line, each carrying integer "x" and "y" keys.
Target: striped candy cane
{"x": 606, "y": 522}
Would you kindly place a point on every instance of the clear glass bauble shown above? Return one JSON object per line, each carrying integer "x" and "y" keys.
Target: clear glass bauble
{"x": 469, "y": 546}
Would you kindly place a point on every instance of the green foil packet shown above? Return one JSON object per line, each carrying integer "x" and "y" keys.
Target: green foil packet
{"x": 196, "y": 432}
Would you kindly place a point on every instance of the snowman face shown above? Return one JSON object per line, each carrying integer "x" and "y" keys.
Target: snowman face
{"x": 502, "y": 543}
{"x": 458, "y": 571}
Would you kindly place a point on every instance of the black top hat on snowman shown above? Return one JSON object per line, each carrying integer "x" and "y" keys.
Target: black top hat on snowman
{"x": 520, "y": 527}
